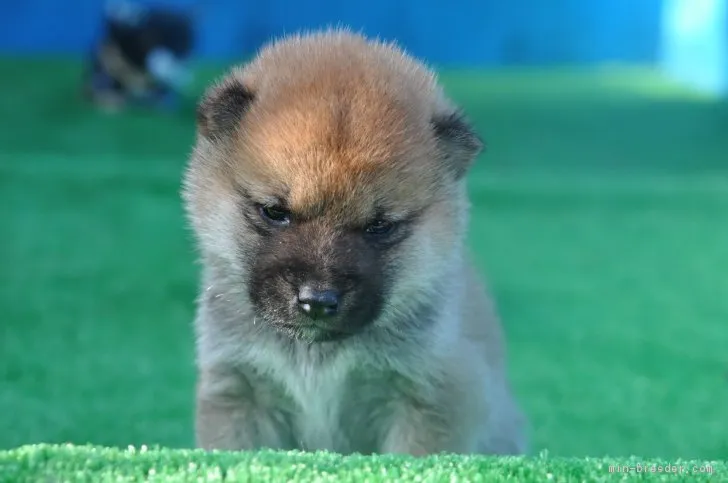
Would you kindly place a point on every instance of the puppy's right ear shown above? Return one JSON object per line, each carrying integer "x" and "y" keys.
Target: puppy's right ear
{"x": 222, "y": 108}
{"x": 459, "y": 141}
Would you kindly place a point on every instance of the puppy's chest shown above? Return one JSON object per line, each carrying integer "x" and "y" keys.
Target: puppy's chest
{"x": 317, "y": 395}
{"x": 331, "y": 406}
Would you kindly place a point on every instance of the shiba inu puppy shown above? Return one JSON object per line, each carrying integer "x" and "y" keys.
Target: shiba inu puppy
{"x": 338, "y": 309}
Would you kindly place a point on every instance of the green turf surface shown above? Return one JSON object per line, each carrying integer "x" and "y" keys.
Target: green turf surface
{"x": 94, "y": 464}
{"x": 600, "y": 215}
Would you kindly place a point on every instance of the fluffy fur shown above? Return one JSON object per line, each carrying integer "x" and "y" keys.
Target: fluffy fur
{"x": 341, "y": 134}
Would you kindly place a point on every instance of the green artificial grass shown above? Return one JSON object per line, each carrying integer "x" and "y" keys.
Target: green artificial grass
{"x": 97, "y": 464}
{"x": 600, "y": 214}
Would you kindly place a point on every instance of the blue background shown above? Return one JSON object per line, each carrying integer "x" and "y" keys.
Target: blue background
{"x": 455, "y": 32}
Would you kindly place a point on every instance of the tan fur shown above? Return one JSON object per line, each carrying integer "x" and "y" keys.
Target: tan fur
{"x": 340, "y": 123}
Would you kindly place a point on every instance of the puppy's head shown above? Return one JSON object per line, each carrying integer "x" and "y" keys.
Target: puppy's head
{"x": 326, "y": 185}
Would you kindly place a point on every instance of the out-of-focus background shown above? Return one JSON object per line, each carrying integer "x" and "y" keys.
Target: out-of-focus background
{"x": 600, "y": 209}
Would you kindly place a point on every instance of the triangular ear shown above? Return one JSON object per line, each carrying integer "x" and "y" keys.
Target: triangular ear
{"x": 222, "y": 108}
{"x": 458, "y": 141}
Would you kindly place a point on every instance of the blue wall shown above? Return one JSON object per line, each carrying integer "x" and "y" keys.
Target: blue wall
{"x": 455, "y": 32}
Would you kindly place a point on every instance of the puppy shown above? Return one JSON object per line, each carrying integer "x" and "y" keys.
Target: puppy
{"x": 338, "y": 309}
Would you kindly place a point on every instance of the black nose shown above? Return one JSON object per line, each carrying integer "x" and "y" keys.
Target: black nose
{"x": 318, "y": 304}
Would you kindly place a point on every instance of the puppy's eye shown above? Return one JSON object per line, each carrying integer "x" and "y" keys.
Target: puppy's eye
{"x": 380, "y": 228}
{"x": 275, "y": 215}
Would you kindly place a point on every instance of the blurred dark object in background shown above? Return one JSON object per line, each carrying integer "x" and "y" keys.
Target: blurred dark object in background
{"x": 141, "y": 57}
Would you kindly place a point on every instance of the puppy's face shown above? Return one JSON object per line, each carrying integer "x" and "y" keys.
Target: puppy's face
{"x": 332, "y": 195}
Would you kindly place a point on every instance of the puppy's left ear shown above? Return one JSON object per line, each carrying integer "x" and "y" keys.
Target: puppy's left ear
{"x": 458, "y": 141}
{"x": 223, "y": 107}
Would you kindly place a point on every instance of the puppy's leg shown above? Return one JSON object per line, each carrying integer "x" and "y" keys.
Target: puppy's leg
{"x": 448, "y": 419}
{"x": 228, "y": 417}
{"x": 466, "y": 408}
{"x": 419, "y": 431}
{"x": 507, "y": 432}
